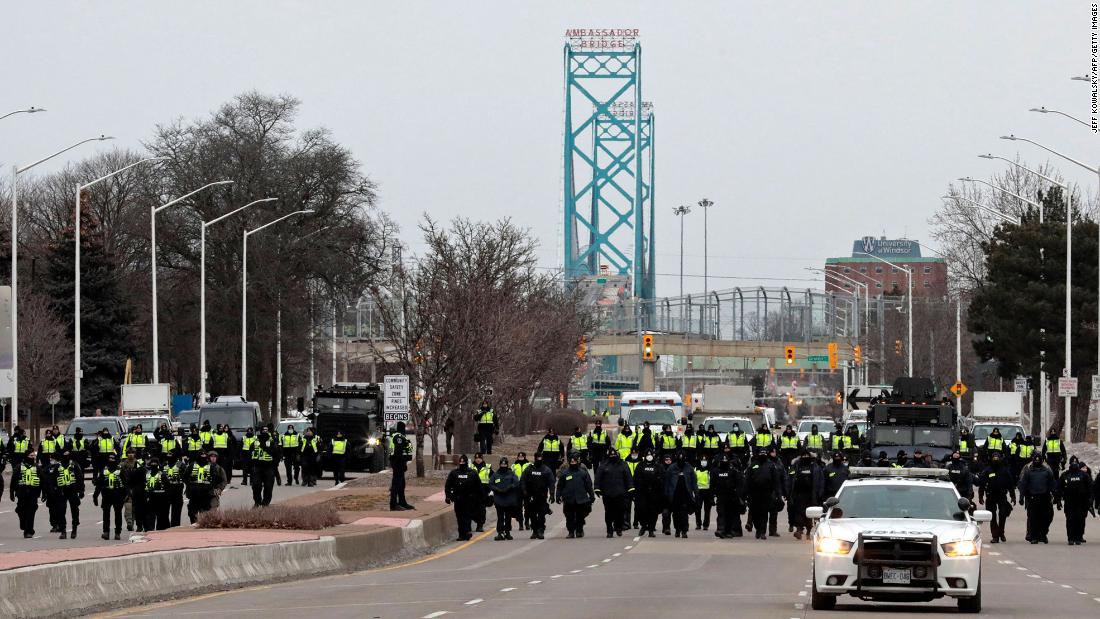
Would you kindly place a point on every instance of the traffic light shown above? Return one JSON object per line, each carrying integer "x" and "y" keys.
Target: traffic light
{"x": 832, "y": 355}
{"x": 647, "y": 348}
{"x": 857, "y": 354}
{"x": 582, "y": 349}
{"x": 789, "y": 354}
{"x": 898, "y": 347}
{"x": 838, "y": 398}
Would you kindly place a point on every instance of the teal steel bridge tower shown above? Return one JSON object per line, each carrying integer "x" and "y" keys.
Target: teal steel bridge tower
{"x": 608, "y": 163}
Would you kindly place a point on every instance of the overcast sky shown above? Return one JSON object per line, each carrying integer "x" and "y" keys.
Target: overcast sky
{"x": 809, "y": 125}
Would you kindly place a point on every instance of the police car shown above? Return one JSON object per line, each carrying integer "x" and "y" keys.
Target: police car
{"x": 897, "y": 535}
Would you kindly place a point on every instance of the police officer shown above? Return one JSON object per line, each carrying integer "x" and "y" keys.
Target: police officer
{"x": 78, "y": 449}
{"x": 134, "y": 440}
{"x": 807, "y": 485}
{"x": 763, "y": 439}
{"x": 1037, "y": 487}
{"x": 967, "y": 448}
{"x": 666, "y": 442}
{"x": 645, "y": 440}
{"x": 519, "y": 465}
{"x": 247, "y": 441}
{"x": 507, "y": 496}
{"x": 67, "y": 482}
{"x": 855, "y": 445}
{"x": 487, "y": 426}
{"x": 994, "y": 442}
{"x": 763, "y": 487}
{"x": 959, "y": 473}
{"x": 599, "y": 443}
{"x": 310, "y": 458}
{"x": 727, "y": 482}
{"x": 681, "y": 493}
{"x": 835, "y": 473}
{"x": 814, "y": 441}
{"x": 27, "y": 486}
{"x": 18, "y": 448}
{"x": 710, "y": 444}
{"x": 703, "y": 482}
{"x": 689, "y": 444}
{"x": 997, "y": 491}
{"x": 788, "y": 445}
{"x": 463, "y": 490}
{"x": 173, "y": 486}
{"x": 292, "y": 449}
{"x": 738, "y": 443}
{"x": 575, "y": 494}
{"x": 133, "y": 474}
{"x": 1019, "y": 454}
{"x": 202, "y": 484}
{"x": 194, "y": 444}
{"x": 537, "y": 481}
{"x": 1054, "y": 452}
{"x": 578, "y": 444}
{"x": 632, "y": 463}
{"x": 46, "y": 449}
{"x": 337, "y": 451}
{"x": 157, "y": 509}
{"x": 265, "y": 460}
{"x": 483, "y": 471}
{"x": 840, "y": 442}
{"x": 112, "y": 488}
{"x": 648, "y": 493}
{"x": 551, "y": 449}
{"x": 614, "y": 484}
{"x": 1075, "y": 499}
{"x": 625, "y": 440}
{"x": 400, "y": 451}
{"x": 224, "y": 444}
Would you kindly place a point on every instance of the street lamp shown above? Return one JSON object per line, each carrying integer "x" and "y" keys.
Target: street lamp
{"x": 244, "y": 300}
{"x": 202, "y": 295}
{"x": 705, "y": 204}
{"x": 153, "y": 210}
{"x": 1043, "y": 110}
{"x": 909, "y": 277}
{"x": 29, "y": 110}
{"x": 680, "y": 211}
{"x": 992, "y": 211}
{"x": 15, "y": 172}
{"x": 78, "y": 372}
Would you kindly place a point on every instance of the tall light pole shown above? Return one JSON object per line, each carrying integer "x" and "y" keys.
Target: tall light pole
{"x": 153, "y": 210}
{"x": 992, "y": 211}
{"x": 78, "y": 371}
{"x": 680, "y": 211}
{"x": 705, "y": 204}
{"x": 244, "y": 298}
{"x": 1043, "y": 110}
{"x": 202, "y": 295}
{"x": 16, "y": 170}
{"x": 909, "y": 277}
{"x": 29, "y": 110}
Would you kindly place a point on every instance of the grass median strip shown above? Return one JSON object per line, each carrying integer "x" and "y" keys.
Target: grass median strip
{"x": 305, "y": 517}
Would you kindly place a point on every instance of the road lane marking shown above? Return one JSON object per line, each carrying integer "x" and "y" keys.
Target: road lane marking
{"x": 607, "y": 560}
{"x": 627, "y": 547}
{"x": 1066, "y": 587}
{"x": 591, "y": 566}
{"x": 438, "y": 613}
{"x": 617, "y": 554}
{"x": 1037, "y": 576}
{"x": 474, "y": 601}
{"x": 1096, "y": 599}
{"x": 507, "y": 589}
{"x": 1081, "y": 593}
{"x": 534, "y": 582}
{"x": 555, "y": 576}
{"x": 994, "y": 554}
{"x": 638, "y": 539}
{"x": 1048, "y": 582}
{"x": 574, "y": 571}
{"x": 801, "y": 594}
{"x": 1022, "y": 569}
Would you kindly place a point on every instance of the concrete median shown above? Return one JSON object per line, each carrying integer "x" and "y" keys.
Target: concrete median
{"x": 83, "y": 586}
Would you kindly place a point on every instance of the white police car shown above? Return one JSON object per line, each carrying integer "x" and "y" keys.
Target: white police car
{"x": 897, "y": 535}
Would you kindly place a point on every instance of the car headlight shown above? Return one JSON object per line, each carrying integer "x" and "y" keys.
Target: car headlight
{"x": 961, "y": 548}
{"x": 372, "y": 441}
{"x": 833, "y": 546}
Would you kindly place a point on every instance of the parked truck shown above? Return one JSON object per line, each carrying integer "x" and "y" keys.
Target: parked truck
{"x": 1003, "y": 410}
{"x": 734, "y": 401}
{"x": 146, "y": 399}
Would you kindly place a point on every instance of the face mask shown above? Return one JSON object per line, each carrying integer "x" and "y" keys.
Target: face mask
{"x": 736, "y": 428}
{"x": 702, "y": 463}
{"x": 649, "y": 458}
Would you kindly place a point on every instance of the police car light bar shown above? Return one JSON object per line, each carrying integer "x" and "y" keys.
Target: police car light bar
{"x": 857, "y": 472}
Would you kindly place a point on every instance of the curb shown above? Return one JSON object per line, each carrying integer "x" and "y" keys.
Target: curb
{"x": 62, "y": 589}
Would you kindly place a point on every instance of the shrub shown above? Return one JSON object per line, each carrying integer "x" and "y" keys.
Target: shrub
{"x": 305, "y": 517}
{"x": 563, "y": 421}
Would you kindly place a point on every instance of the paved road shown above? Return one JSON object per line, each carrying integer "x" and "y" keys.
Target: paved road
{"x": 91, "y": 517}
{"x": 640, "y": 578}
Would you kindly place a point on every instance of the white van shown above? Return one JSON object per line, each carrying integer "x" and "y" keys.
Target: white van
{"x": 659, "y": 408}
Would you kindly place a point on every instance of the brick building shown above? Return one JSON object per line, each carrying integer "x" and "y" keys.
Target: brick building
{"x": 929, "y": 273}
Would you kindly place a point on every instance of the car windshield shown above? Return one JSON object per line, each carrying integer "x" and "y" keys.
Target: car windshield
{"x": 823, "y": 427}
{"x": 723, "y": 426}
{"x": 148, "y": 424}
{"x": 92, "y": 425}
{"x": 655, "y": 416}
{"x": 903, "y": 500}
{"x": 234, "y": 416}
{"x": 346, "y": 405}
{"x": 886, "y": 436}
{"x": 932, "y": 437}
{"x": 1008, "y": 432}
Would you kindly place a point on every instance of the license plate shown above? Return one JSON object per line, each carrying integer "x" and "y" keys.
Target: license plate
{"x": 896, "y": 576}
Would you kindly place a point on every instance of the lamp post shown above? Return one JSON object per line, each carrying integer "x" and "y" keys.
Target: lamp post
{"x": 16, "y": 170}
{"x": 909, "y": 277}
{"x": 202, "y": 295}
{"x": 244, "y": 300}
{"x": 29, "y": 110}
{"x": 153, "y": 210}
{"x": 1069, "y": 219}
{"x": 1043, "y": 110}
{"x": 680, "y": 211}
{"x": 978, "y": 205}
{"x": 78, "y": 371}
{"x": 705, "y": 204}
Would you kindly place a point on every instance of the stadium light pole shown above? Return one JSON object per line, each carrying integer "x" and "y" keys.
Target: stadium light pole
{"x": 202, "y": 295}
{"x": 78, "y": 371}
{"x": 244, "y": 299}
{"x": 16, "y": 170}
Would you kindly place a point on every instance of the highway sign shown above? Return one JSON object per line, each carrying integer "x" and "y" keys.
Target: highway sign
{"x": 1019, "y": 385}
{"x": 959, "y": 389}
{"x": 1067, "y": 387}
{"x": 813, "y": 358}
{"x": 396, "y": 394}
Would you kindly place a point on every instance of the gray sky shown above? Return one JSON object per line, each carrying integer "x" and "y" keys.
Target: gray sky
{"x": 809, "y": 125}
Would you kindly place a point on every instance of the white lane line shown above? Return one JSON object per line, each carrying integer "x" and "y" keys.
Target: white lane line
{"x": 607, "y": 560}
{"x": 799, "y": 606}
{"x": 1008, "y": 562}
{"x": 808, "y": 581}
{"x": 534, "y": 582}
{"x": 555, "y": 576}
{"x": 6, "y": 511}
{"x": 617, "y": 554}
{"x": 627, "y": 547}
{"x": 438, "y": 613}
{"x": 1037, "y": 576}
{"x": 592, "y": 566}
{"x": 801, "y": 594}
{"x": 574, "y": 571}
{"x": 507, "y": 589}
{"x": 638, "y": 539}
{"x": 1066, "y": 587}
{"x": 474, "y": 601}
{"x": 1048, "y": 582}
{"x": 994, "y": 554}
{"x": 1081, "y": 593}
{"x": 1096, "y": 599}
{"x": 1022, "y": 569}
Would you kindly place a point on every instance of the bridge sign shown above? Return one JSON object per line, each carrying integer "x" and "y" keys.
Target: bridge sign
{"x": 396, "y": 394}
{"x": 813, "y": 358}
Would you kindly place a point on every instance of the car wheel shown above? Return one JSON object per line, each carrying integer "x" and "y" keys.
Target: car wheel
{"x": 972, "y": 604}
{"x": 821, "y": 601}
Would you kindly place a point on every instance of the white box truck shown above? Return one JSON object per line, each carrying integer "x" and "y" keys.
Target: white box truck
{"x": 146, "y": 399}
{"x": 1003, "y": 410}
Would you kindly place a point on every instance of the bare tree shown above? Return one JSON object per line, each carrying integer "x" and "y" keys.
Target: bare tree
{"x": 45, "y": 351}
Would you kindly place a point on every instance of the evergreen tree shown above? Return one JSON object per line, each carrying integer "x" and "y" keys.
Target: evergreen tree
{"x": 107, "y": 319}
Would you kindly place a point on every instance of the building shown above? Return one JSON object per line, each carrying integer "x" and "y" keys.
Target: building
{"x": 929, "y": 274}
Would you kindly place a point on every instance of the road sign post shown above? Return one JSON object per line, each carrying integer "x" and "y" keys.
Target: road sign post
{"x": 396, "y": 394}
{"x": 958, "y": 389}
{"x": 1067, "y": 387}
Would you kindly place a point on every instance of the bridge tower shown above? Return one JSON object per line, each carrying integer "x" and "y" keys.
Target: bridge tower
{"x": 608, "y": 160}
